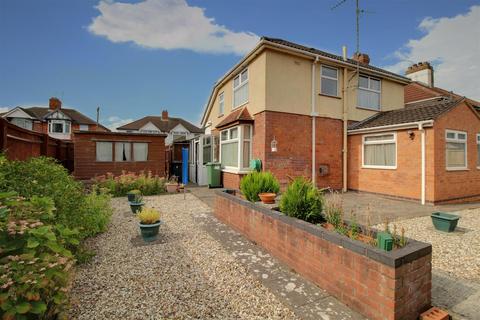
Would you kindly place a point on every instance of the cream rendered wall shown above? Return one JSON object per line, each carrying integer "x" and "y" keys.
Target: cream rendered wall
{"x": 289, "y": 89}
{"x": 256, "y": 94}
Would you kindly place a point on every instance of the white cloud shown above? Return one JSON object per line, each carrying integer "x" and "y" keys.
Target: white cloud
{"x": 114, "y": 122}
{"x": 168, "y": 24}
{"x": 3, "y": 109}
{"x": 453, "y": 45}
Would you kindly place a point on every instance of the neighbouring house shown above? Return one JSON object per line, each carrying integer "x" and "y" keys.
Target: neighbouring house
{"x": 341, "y": 122}
{"x": 99, "y": 153}
{"x": 289, "y": 106}
{"x": 58, "y": 122}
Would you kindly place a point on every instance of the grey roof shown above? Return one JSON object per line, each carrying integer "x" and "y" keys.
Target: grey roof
{"x": 332, "y": 56}
{"x": 39, "y": 113}
{"x": 163, "y": 125}
{"x": 423, "y": 111}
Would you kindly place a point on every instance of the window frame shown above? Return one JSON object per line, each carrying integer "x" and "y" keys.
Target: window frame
{"x": 456, "y": 140}
{"x": 112, "y": 149}
{"x": 370, "y": 90}
{"x": 240, "y": 85}
{"x": 393, "y": 141}
{"x": 221, "y": 103}
{"x": 83, "y": 126}
{"x": 133, "y": 151}
{"x": 241, "y": 167}
{"x": 115, "y": 151}
{"x": 330, "y": 78}
{"x": 64, "y": 123}
{"x": 478, "y": 153}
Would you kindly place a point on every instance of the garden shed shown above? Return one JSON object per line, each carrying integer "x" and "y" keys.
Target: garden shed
{"x": 99, "y": 153}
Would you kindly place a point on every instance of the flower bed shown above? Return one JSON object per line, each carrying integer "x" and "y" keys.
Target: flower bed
{"x": 376, "y": 283}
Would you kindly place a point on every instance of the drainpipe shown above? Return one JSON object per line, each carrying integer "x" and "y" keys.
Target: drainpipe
{"x": 345, "y": 122}
{"x": 422, "y": 133}
{"x": 313, "y": 113}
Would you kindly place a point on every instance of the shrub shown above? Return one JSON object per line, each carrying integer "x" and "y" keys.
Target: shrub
{"x": 302, "y": 200}
{"x": 334, "y": 210}
{"x": 149, "y": 216}
{"x": 44, "y": 177}
{"x": 34, "y": 258}
{"x": 120, "y": 185}
{"x": 258, "y": 182}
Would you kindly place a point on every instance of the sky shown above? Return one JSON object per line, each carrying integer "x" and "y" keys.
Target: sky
{"x": 137, "y": 58}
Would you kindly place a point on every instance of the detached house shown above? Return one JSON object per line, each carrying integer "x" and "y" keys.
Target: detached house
{"x": 340, "y": 121}
{"x": 58, "y": 122}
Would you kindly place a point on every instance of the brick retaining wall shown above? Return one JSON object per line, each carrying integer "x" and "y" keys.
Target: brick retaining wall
{"x": 378, "y": 284}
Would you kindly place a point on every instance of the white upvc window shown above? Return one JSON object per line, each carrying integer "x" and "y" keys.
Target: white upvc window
{"x": 329, "y": 81}
{"x": 478, "y": 150}
{"x": 221, "y": 104}
{"x": 58, "y": 126}
{"x": 379, "y": 151}
{"x": 123, "y": 151}
{"x": 369, "y": 92}
{"x": 104, "y": 151}
{"x": 236, "y": 148}
{"x": 240, "y": 89}
{"x": 140, "y": 151}
{"x": 207, "y": 149}
{"x": 83, "y": 127}
{"x": 23, "y": 123}
{"x": 456, "y": 150}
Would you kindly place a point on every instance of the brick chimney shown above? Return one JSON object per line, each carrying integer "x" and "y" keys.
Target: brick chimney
{"x": 421, "y": 72}
{"x": 361, "y": 57}
{"x": 54, "y": 103}
{"x": 164, "y": 115}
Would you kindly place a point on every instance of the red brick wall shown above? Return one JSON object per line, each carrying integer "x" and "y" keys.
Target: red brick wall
{"x": 231, "y": 180}
{"x": 86, "y": 166}
{"x": 376, "y": 290}
{"x": 405, "y": 180}
{"x": 452, "y": 185}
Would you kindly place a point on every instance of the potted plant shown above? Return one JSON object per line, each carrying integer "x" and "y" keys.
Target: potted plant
{"x": 149, "y": 224}
{"x": 257, "y": 186}
{"x": 137, "y": 203}
{"x": 172, "y": 184}
{"x": 132, "y": 193}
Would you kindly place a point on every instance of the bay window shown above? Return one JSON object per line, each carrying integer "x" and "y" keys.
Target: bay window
{"x": 380, "y": 151}
{"x": 456, "y": 150}
{"x": 369, "y": 91}
{"x": 329, "y": 81}
{"x": 236, "y": 147}
{"x": 240, "y": 89}
{"x": 59, "y": 126}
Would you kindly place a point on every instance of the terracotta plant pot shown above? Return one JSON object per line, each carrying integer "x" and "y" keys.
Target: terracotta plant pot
{"x": 171, "y": 187}
{"x": 267, "y": 197}
{"x": 328, "y": 226}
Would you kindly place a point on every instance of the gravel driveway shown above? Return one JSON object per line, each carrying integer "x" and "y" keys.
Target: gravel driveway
{"x": 185, "y": 274}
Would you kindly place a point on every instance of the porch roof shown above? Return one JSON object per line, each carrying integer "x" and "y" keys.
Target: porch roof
{"x": 236, "y": 117}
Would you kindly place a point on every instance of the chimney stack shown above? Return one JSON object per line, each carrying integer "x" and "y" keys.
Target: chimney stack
{"x": 361, "y": 57}
{"x": 54, "y": 103}
{"x": 421, "y": 72}
{"x": 164, "y": 115}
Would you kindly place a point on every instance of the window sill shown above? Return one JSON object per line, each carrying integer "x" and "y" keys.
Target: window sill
{"x": 329, "y": 96}
{"x": 220, "y": 115}
{"x": 370, "y": 109}
{"x": 458, "y": 169}
{"x": 236, "y": 171}
{"x": 233, "y": 108}
{"x": 379, "y": 167}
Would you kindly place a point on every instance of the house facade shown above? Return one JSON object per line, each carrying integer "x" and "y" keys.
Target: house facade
{"x": 289, "y": 106}
{"x": 58, "y": 122}
{"x": 341, "y": 122}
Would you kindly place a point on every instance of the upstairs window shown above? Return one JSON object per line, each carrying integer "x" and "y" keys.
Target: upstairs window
{"x": 369, "y": 91}
{"x": 329, "y": 81}
{"x": 58, "y": 126}
{"x": 23, "y": 123}
{"x": 380, "y": 151}
{"x": 456, "y": 150}
{"x": 221, "y": 104}
{"x": 83, "y": 127}
{"x": 240, "y": 89}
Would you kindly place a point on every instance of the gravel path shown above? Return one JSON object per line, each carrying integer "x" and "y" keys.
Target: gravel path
{"x": 456, "y": 253}
{"x": 185, "y": 274}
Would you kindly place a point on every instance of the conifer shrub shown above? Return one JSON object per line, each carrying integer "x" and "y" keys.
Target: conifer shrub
{"x": 302, "y": 200}
{"x": 258, "y": 182}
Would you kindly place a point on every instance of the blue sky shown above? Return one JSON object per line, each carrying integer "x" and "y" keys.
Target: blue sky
{"x": 151, "y": 55}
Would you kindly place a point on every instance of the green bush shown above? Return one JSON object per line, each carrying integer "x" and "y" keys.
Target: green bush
{"x": 120, "y": 185}
{"x": 302, "y": 200}
{"x": 44, "y": 177}
{"x": 258, "y": 182}
{"x": 34, "y": 258}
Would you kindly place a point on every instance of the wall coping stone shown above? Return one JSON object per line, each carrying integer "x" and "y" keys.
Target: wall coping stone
{"x": 395, "y": 258}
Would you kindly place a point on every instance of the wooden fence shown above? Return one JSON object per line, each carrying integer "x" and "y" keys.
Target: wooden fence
{"x": 20, "y": 144}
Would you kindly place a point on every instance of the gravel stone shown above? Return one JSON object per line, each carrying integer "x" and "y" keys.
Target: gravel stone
{"x": 185, "y": 274}
{"x": 456, "y": 253}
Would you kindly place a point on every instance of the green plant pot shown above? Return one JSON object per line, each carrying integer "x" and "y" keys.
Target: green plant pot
{"x": 444, "y": 221}
{"x": 149, "y": 231}
{"x": 136, "y": 206}
{"x": 131, "y": 197}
